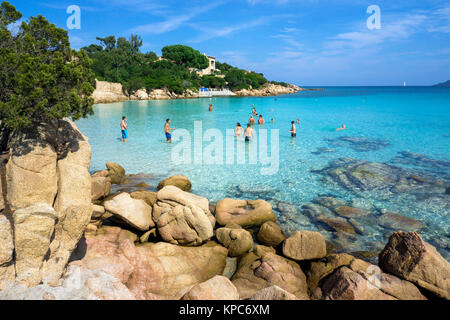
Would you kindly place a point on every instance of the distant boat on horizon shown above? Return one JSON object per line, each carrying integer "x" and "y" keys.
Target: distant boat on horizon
{"x": 404, "y": 83}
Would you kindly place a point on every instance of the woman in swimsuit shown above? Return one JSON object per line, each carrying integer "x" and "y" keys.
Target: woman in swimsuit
{"x": 238, "y": 130}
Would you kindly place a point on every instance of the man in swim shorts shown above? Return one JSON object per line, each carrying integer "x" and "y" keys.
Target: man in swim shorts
{"x": 293, "y": 130}
{"x": 123, "y": 127}
{"x": 248, "y": 133}
{"x": 167, "y": 131}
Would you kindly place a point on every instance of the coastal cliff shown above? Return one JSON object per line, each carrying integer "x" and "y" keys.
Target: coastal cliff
{"x": 109, "y": 92}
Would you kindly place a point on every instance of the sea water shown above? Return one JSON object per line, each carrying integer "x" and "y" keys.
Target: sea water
{"x": 414, "y": 119}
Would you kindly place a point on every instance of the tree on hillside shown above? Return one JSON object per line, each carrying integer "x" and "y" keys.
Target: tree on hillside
{"x": 186, "y": 56}
{"x": 41, "y": 77}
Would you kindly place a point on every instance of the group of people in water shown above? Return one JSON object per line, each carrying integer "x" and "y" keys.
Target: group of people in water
{"x": 248, "y": 133}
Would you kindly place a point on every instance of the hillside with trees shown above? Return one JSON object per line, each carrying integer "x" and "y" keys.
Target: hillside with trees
{"x": 120, "y": 60}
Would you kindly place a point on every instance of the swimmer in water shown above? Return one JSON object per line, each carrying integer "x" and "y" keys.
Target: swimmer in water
{"x": 341, "y": 128}
{"x": 261, "y": 119}
{"x": 251, "y": 120}
{"x": 238, "y": 130}
{"x": 210, "y": 107}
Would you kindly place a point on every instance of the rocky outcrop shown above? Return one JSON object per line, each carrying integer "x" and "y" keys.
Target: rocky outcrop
{"x": 256, "y": 272}
{"x": 33, "y": 228}
{"x": 48, "y": 165}
{"x": 148, "y": 196}
{"x": 270, "y": 234}
{"x": 363, "y": 281}
{"x": 115, "y": 172}
{"x": 31, "y": 169}
{"x": 182, "y": 217}
{"x": 153, "y": 270}
{"x": 305, "y": 245}
{"x": 320, "y": 269}
{"x": 216, "y": 288}
{"x": 273, "y": 293}
{"x": 409, "y": 257}
{"x": 78, "y": 284}
{"x": 134, "y": 212}
{"x": 268, "y": 89}
{"x": 6, "y": 240}
{"x": 100, "y": 186}
{"x": 246, "y": 213}
{"x": 73, "y": 202}
{"x": 107, "y": 92}
{"x": 237, "y": 240}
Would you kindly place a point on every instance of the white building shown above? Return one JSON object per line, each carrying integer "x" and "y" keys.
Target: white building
{"x": 211, "y": 68}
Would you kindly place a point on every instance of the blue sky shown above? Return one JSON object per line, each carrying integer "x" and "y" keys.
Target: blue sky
{"x": 306, "y": 42}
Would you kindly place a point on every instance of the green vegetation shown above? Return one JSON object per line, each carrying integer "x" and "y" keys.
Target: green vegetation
{"x": 121, "y": 61}
{"x": 41, "y": 77}
{"x": 186, "y": 56}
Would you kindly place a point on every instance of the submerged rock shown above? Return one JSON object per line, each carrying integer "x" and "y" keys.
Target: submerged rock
{"x": 395, "y": 221}
{"x": 361, "y": 144}
{"x": 360, "y": 175}
{"x": 421, "y": 160}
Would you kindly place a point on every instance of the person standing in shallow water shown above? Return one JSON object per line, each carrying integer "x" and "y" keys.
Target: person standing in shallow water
{"x": 210, "y": 107}
{"x": 293, "y": 130}
{"x": 124, "y": 128}
{"x": 248, "y": 133}
{"x": 167, "y": 129}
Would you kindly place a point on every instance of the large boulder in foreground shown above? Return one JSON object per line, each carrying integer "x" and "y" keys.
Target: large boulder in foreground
{"x": 361, "y": 280}
{"x": 153, "y": 270}
{"x": 178, "y": 181}
{"x": 73, "y": 202}
{"x": 134, "y": 212}
{"x": 216, "y": 288}
{"x": 237, "y": 240}
{"x": 270, "y": 234}
{"x": 264, "y": 269}
{"x": 182, "y": 217}
{"x": 246, "y": 213}
{"x": 31, "y": 170}
{"x": 33, "y": 228}
{"x": 305, "y": 245}
{"x": 409, "y": 257}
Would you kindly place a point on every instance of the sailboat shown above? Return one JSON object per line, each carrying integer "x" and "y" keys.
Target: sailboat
{"x": 404, "y": 83}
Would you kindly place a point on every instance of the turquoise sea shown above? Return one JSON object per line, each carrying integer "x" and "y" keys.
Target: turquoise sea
{"x": 381, "y": 122}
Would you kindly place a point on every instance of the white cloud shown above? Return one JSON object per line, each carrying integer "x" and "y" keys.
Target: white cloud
{"x": 175, "y": 22}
